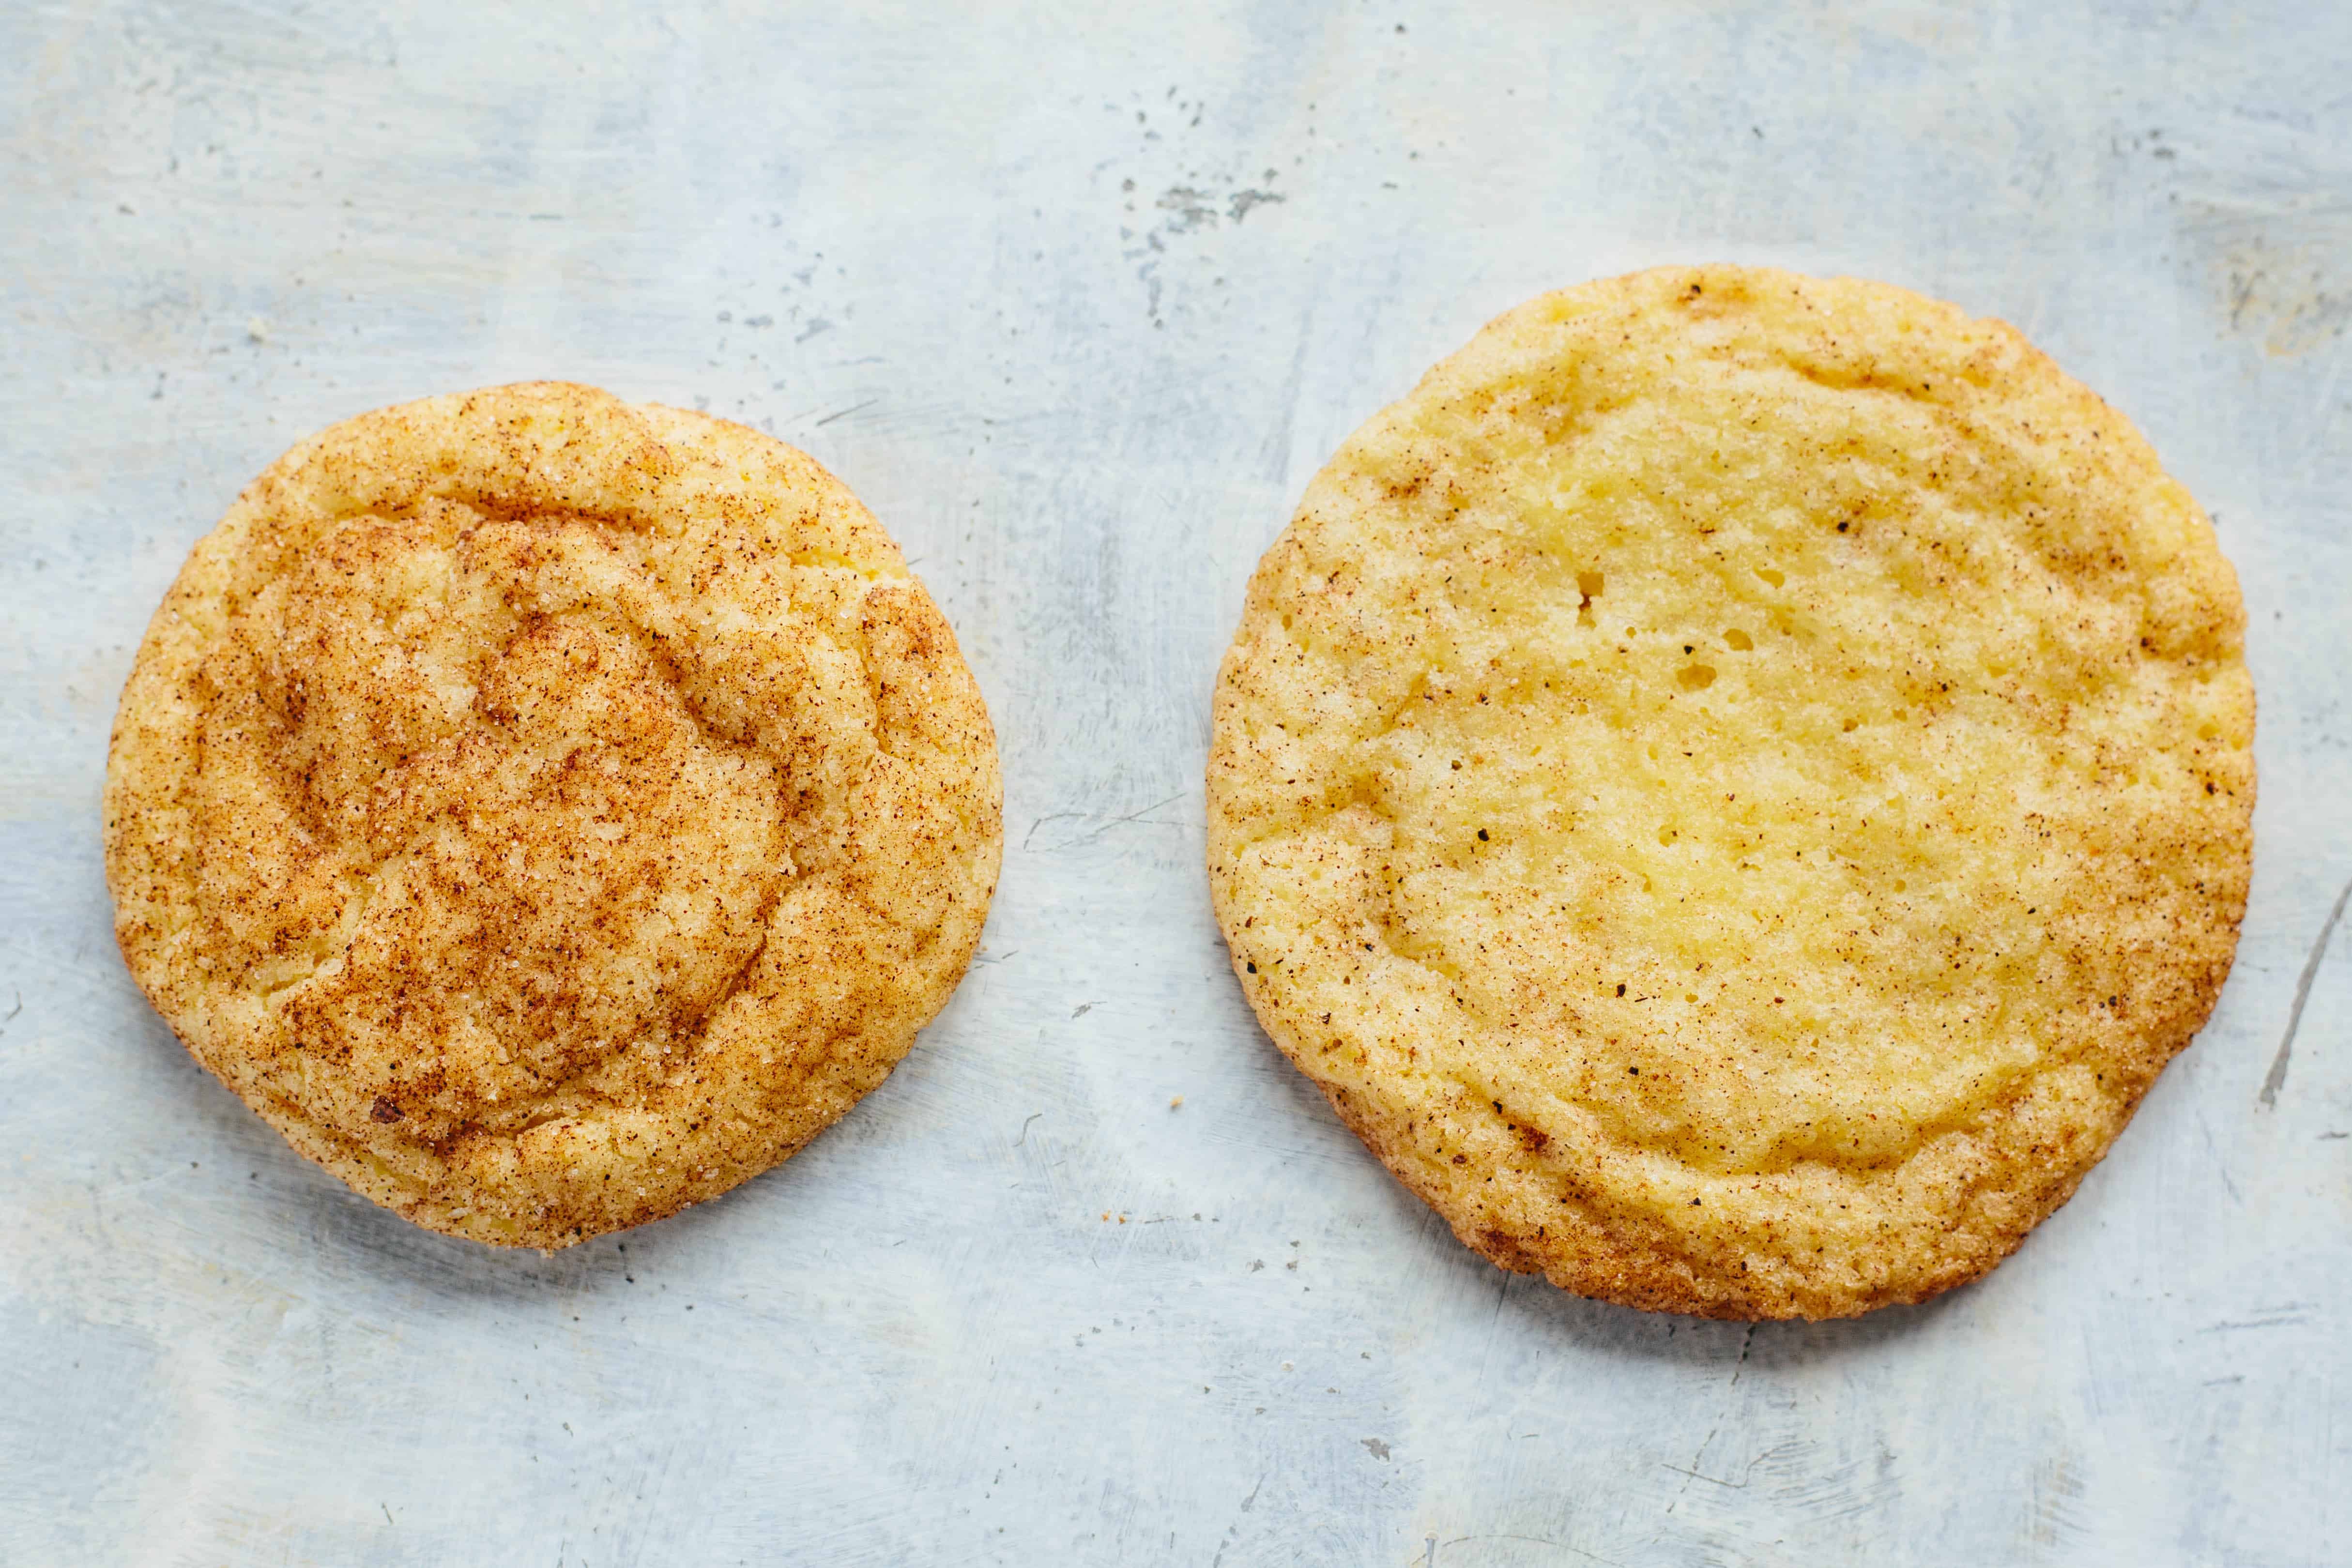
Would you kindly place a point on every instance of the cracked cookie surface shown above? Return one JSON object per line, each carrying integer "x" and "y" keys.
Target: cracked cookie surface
{"x": 547, "y": 811}
{"x": 1735, "y": 787}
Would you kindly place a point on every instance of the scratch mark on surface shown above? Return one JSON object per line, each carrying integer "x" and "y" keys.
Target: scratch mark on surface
{"x": 1088, "y": 838}
{"x": 846, "y": 412}
{"x": 2276, "y": 1078}
{"x": 1746, "y": 1345}
{"x": 1739, "y": 1485}
{"x": 2210, "y": 1148}
{"x": 1138, "y": 816}
{"x": 1049, "y": 817}
{"x": 1692, "y": 1472}
{"x": 2267, "y": 1317}
{"x": 1024, "y": 1129}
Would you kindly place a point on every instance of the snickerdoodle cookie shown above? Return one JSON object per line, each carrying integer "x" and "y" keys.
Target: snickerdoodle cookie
{"x": 1735, "y": 787}
{"x": 547, "y": 811}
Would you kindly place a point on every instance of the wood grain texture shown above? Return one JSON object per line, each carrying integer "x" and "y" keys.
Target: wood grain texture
{"x": 1077, "y": 300}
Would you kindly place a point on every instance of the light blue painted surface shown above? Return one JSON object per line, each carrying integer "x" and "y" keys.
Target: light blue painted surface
{"x": 1077, "y": 299}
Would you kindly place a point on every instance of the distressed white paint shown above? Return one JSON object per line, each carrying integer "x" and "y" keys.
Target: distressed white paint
{"x": 1008, "y": 279}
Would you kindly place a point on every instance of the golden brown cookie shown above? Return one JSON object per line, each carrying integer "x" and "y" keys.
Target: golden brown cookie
{"x": 547, "y": 811}
{"x": 1736, "y": 787}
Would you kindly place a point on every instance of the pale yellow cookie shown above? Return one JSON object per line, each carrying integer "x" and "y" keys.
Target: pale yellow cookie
{"x": 547, "y": 811}
{"x": 1734, "y": 788}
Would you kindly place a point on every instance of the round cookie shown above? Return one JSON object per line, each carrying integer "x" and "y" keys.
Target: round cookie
{"x": 1734, "y": 788}
{"x": 546, "y": 811}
